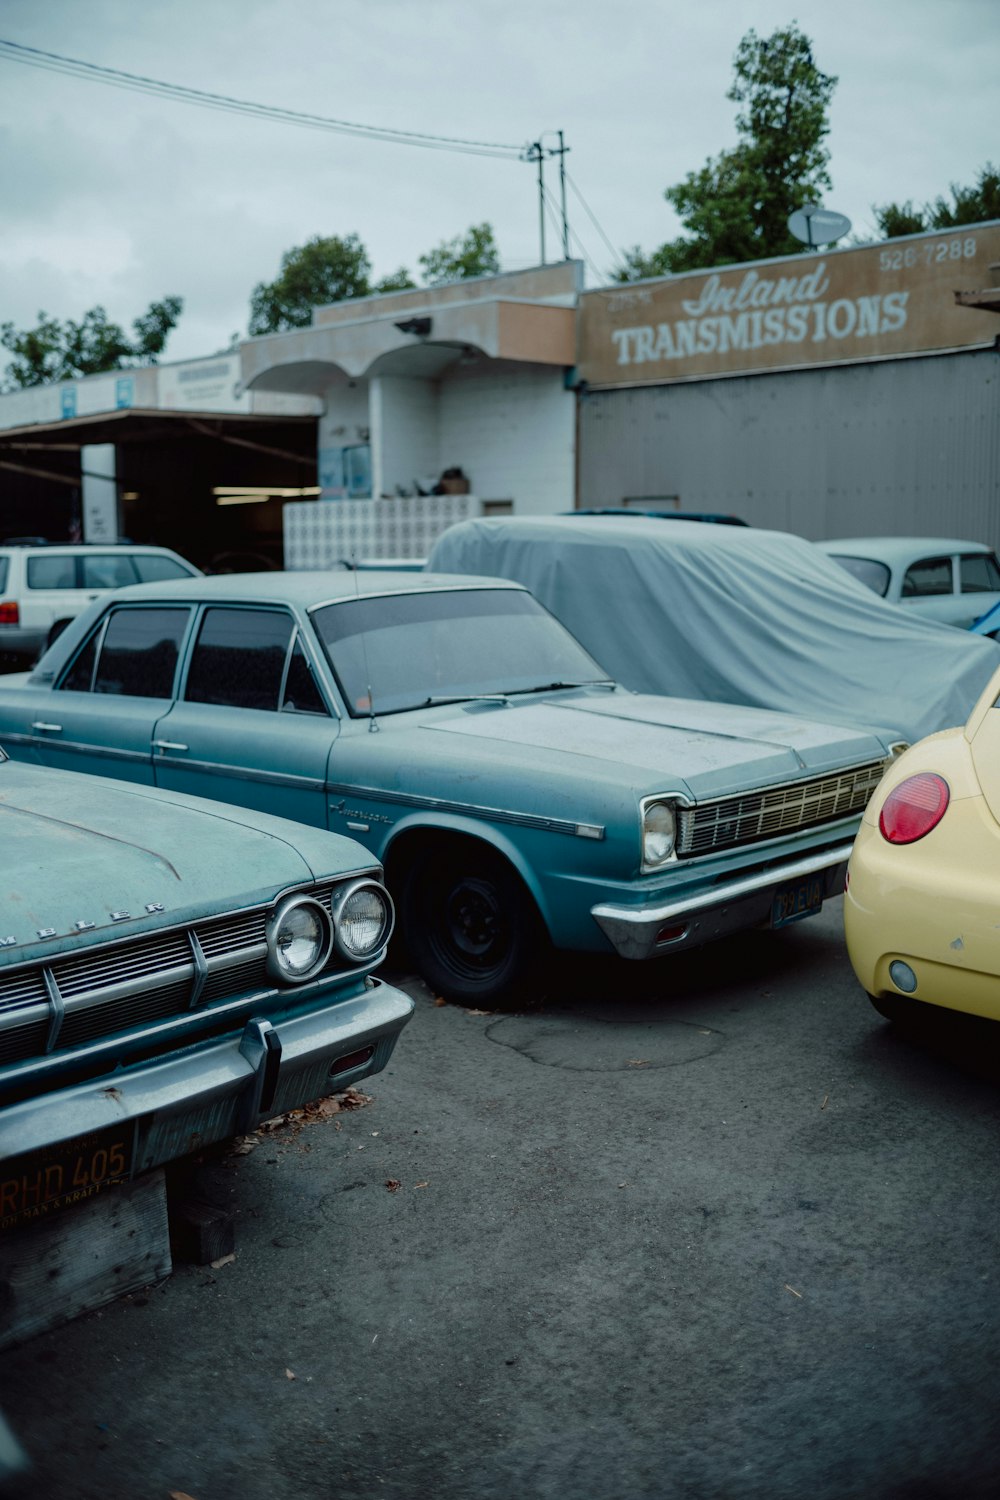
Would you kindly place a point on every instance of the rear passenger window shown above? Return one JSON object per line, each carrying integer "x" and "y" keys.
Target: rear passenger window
{"x": 978, "y": 573}
{"x": 932, "y": 575}
{"x": 154, "y": 569}
{"x": 3, "y": 574}
{"x": 239, "y": 658}
{"x": 133, "y": 655}
{"x": 51, "y": 573}
{"x": 105, "y": 570}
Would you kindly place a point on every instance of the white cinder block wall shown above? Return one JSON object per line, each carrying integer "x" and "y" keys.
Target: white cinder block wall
{"x": 404, "y": 432}
{"x": 513, "y": 434}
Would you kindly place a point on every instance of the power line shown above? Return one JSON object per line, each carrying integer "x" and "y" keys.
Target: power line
{"x": 75, "y": 67}
{"x": 616, "y": 254}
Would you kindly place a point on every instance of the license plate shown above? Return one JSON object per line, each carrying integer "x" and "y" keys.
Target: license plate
{"x": 37, "y": 1184}
{"x": 793, "y": 902}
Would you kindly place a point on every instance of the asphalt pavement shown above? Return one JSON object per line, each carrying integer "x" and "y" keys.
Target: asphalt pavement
{"x": 709, "y": 1228}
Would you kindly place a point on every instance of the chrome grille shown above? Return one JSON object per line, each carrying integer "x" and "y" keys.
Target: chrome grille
{"x": 101, "y": 970}
{"x": 118, "y": 985}
{"x": 752, "y": 817}
{"x": 19, "y": 990}
{"x": 93, "y": 1021}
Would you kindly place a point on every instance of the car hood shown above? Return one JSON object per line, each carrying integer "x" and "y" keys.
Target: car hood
{"x": 91, "y": 857}
{"x": 710, "y": 749}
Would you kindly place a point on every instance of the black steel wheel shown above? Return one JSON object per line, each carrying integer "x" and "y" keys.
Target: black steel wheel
{"x": 470, "y": 926}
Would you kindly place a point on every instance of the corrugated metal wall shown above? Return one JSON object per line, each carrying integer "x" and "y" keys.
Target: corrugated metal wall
{"x": 901, "y": 447}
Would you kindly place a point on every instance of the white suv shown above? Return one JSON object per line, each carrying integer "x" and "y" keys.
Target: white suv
{"x": 42, "y": 588}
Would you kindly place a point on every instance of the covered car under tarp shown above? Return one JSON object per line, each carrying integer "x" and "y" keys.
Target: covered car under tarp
{"x": 732, "y": 614}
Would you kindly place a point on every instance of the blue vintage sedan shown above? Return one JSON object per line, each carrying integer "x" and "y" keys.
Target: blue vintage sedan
{"x": 515, "y": 794}
{"x": 172, "y": 971}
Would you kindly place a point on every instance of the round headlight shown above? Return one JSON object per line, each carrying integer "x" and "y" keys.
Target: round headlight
{"x": 362, "y": 919}
{"x": 659, "y": 832}
{"x": 299, "y": 939}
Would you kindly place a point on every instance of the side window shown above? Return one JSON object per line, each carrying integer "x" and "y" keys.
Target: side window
{"x": 51, "y": 573}
{"x": 3, "y": 573}
{"x": 154, "y": 569}
{"x": 105, "y": 570}
{"x": 932, "y": 575}
{"x": 239, "y": 658}
{"x": 301, "y": 695}
{"x": 978, "y": 573}
{"x": 138, "y": 654}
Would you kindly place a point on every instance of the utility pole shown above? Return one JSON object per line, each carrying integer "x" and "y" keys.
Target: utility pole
{"x": 536, "y": 152}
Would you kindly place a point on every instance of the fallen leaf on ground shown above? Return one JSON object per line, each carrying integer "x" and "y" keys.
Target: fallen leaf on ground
{"x": 440, "y": 1000}
{"x": 224, "y": 1260}
{"x": 243, "y": 1145}
{"x": 295, "y": 1120}
{"x": 393, "y": 1185}
{"x": 793, "y": 1291}
{"x": 420, "y": 1184}
{"x": 180, "y": 1495}
{"x": 290, "y": 1375}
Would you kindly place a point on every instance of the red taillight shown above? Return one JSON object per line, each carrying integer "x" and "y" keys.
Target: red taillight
{"x": 913, "y": 808}
{"x": 8, "y": 612}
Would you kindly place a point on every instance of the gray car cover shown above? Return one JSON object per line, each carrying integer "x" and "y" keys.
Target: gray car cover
{"x": 732, "y": 614}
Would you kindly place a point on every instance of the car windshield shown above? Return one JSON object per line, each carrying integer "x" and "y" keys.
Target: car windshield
{"x": 866, "y": 570}
{"x": 407, "y": 651}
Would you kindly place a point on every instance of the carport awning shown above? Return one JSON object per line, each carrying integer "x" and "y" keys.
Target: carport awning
{"x": 135, "y": 425}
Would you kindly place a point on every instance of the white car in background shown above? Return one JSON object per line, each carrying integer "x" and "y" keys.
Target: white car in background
{"x": 43, "y": 587}
{"x": 950, "y": 581}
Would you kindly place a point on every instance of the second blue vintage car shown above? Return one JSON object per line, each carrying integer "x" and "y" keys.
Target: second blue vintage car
{"x": 516, "y": 796}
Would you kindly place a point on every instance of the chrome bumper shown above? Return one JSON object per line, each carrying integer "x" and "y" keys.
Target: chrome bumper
{"x": 733, "y": 906}
{"x": 215, "y": 1089}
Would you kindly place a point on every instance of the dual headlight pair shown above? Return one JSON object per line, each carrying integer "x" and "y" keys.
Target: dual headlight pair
{"x": 302, "y": 931}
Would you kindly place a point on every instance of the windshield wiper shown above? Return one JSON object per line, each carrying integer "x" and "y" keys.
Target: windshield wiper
{"x": 467, "y": 698}
{"x": 502, "y": 695}
{"x": 552, "y": 687}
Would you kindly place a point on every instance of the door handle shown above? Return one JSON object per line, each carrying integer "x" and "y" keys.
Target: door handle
{"x": 47, "y": 728}
{"x": 168, "y": 745}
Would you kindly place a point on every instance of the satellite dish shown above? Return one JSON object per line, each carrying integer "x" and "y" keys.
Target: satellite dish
{"x": 817, "y": 226}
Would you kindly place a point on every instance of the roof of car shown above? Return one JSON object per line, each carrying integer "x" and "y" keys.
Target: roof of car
{"x": 306, "y": 587}
{"x": 897, "y": 549}
{"x": 55, "y": 549}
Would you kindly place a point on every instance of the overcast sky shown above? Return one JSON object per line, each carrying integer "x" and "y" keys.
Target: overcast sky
{"x": 114, "y": 197}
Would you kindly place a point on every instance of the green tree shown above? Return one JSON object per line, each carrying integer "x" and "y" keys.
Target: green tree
{"x": 736, "y": 207}
{"x": 968, "y": 205}
{"x": 398, "y": 281}
{"x": 325, "y": 269}
{"x": 62, "y": 351}
{"x": 475, "y": 254}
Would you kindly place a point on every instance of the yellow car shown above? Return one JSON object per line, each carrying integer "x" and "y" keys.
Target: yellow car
{"x": 922, "y": 905}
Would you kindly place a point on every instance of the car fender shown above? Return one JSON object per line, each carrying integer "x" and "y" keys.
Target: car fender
{"x": 422, "y": 822}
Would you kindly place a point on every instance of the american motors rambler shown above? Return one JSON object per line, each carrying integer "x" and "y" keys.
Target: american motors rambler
{"x": 172, "y": 971}
{"x": 516, "y": 796}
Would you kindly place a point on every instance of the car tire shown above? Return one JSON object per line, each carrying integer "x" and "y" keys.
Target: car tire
{"x": 471, "y": 928}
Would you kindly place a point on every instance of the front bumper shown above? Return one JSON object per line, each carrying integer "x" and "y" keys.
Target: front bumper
{"x": 731, "y": 906}
{"x": 155, "y": 1112}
